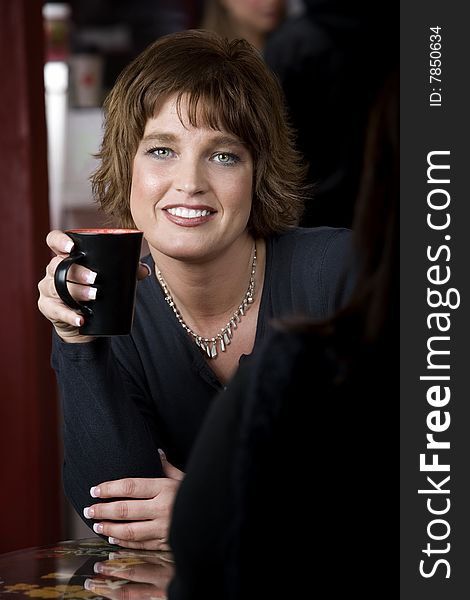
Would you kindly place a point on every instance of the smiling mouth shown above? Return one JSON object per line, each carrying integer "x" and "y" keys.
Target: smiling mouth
{"x": 188, "y": 213}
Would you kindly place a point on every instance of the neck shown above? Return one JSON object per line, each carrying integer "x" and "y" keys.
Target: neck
{"x": 256, "y": 39}
{"x": 208, "y": 292}
{"x": 253, "y": 36}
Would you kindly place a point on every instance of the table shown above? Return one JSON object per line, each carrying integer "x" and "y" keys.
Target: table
{"x": 87, "y": 568}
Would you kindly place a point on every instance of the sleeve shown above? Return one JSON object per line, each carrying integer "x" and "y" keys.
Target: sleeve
{"x": 108, "y": 429}
{"x": 338, "y": 271}
{"x": 319, "y": 263}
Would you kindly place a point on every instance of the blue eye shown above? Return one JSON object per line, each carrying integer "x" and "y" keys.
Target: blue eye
{"x": 226, "y": 158}
{"x": 160, "y": 152}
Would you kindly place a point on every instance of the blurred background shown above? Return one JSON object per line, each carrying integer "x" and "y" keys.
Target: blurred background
{"x": 57, "y": 62}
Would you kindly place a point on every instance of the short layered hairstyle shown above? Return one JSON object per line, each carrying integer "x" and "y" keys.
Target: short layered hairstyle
{"x": 225, "y": 85}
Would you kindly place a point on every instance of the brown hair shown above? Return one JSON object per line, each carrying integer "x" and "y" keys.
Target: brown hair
{"x": 228, "y": 86}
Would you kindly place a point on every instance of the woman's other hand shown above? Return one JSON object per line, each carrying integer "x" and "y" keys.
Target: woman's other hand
{"x": 146, "y": 509}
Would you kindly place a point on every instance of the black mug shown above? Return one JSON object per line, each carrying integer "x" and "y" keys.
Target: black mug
{"x": 113, "y": 254}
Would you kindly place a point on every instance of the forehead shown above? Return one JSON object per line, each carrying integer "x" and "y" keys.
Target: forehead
{"x": 171, "y": 109}
{"x": 173, "y": 115}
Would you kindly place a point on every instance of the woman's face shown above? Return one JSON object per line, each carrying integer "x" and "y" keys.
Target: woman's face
{"x": 261, "y": 16}
{"x": 191, "y": 190}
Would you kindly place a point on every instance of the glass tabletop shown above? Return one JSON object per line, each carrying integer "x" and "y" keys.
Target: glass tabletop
{"x": 86, "y": 568}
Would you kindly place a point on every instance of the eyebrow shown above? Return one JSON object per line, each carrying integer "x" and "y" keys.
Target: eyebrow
{"x": 169, "y": 138}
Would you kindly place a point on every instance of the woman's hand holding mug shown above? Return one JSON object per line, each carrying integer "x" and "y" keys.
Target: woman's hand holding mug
{"x": 68, "y": 291}
{"x": 65, "y": 320}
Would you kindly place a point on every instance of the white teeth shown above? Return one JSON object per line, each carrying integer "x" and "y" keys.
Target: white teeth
{"x": 188, "y": 213}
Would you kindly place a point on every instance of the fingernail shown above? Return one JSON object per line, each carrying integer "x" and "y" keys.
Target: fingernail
{"x": 68, "y": 246}
{"x": 98, "y": 528}
{"x": 95, "y": 492}
{"x": 91, "y": 293}
{"x": 162, "y": 454}
{"x": 149, "y": 270}
{"x": 89, "y": 585}
{"x": 78, "y": 322}
{"x": 89, "y": 512}
{"x": 98, "y": 567}
{"x": 114, "y": 541}
{"x": 90, "y": 277}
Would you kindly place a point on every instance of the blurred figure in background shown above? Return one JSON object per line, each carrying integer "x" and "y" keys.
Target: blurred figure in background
{"x": 252, "y": 20}
{"x": 332, "y": 61}
{"x": 312, "y": 409}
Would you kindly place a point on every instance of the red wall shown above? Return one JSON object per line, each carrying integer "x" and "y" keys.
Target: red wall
{"x": 30, "y": 492}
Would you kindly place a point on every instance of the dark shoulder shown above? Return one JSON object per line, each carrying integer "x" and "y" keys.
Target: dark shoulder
{"x": 276, "y": 370}
{"x": 311, "y": 235}
{"x": 309, "y": 270}
{"x": 306, "y": 243}
{"x": 284, "y": 352}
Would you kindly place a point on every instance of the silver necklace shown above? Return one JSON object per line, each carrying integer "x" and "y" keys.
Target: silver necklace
{"x": 224, "y": 337}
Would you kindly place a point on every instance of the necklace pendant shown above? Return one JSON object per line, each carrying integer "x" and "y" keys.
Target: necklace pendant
{"x": 214, "y": 350}
{"x": 222, "y": 344}
{"x": 226, "y": 338}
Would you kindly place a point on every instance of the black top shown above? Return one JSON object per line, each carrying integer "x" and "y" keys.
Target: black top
{"x": 290, "y": 482}
{"x": 125, "y": 397}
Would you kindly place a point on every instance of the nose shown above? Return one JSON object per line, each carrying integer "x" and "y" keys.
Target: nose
{"x": 190, "y": 177}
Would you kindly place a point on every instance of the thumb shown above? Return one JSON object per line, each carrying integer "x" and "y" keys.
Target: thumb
{"x": 169, "y": 470}
{"x": 143, "y": 271}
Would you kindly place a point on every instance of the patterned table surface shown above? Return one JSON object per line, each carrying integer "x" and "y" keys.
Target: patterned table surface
{"x": 70, "y": 570}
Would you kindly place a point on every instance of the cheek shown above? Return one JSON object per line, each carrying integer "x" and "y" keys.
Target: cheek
{"x": 145, "y": 193}
{"x": 240, "y": 194}
{"x": 145, "y": 186}
{"x": 246, "y": 187}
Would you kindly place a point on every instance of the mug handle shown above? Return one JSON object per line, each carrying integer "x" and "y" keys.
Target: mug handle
{"x": 60, "y": 282}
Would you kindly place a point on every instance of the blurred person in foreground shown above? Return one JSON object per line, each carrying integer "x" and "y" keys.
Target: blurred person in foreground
{"x": 288, "y": 485}
{"x": 197, "y": 154}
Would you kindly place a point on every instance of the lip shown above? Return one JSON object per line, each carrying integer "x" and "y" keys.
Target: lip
{"x": 185, "y": 222}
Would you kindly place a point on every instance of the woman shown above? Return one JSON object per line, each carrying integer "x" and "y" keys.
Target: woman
{"x": 196, "y": 153}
